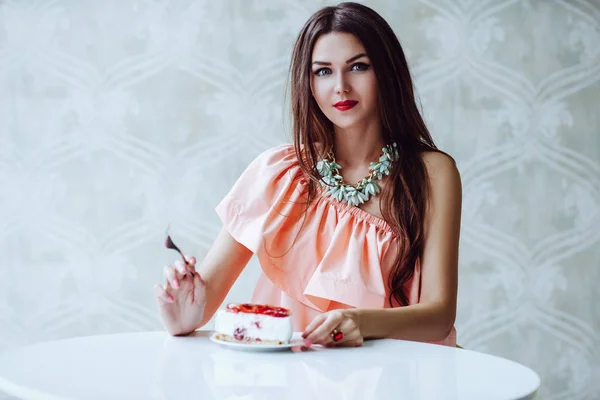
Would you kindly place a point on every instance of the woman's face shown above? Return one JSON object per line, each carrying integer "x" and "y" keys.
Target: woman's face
{"x": 343, "y": 82}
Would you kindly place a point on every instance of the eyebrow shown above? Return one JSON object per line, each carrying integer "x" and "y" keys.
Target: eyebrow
{"x": 356, "y": 57}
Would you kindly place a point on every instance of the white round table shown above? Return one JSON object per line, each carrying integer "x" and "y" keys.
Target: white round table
{"x": 157, "y": 366}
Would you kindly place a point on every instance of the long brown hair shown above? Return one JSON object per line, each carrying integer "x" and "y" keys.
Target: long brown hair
{"x": 404, "y": 201}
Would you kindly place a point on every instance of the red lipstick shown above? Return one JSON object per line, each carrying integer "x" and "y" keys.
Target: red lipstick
{"x": 345, "y": 105}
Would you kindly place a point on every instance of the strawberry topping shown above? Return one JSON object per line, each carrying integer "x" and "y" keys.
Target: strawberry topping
{"x": 263, "y": 309}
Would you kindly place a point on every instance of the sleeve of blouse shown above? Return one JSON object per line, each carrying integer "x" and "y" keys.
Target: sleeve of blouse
{"x": 247, "y": 208}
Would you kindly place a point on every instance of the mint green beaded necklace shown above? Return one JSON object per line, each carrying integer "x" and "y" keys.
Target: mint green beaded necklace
{"x": 363, "y": 190}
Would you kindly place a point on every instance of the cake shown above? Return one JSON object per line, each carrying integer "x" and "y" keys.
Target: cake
{"x": 254, "y": 323}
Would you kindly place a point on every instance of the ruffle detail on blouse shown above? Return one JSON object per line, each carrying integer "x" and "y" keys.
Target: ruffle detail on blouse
{"x": 330, "y": 254}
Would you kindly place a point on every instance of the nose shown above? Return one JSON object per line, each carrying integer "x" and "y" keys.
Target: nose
{"x": 341, "y": 85}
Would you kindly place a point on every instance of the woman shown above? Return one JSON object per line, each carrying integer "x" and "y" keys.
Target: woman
{"x": 376, "y": 258}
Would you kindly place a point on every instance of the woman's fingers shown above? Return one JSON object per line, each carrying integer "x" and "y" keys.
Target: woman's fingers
{"x": 322, "y": 333}
{"x": 321, "y": 330}
{"x": 191, "y": 260}
{"x": 189, "y": 267}
{"x": 314, "y": 324}
{"x": 182, "y": 268}
{"x": 174, "y": 276}
{"x": 198, "y": 281}
{"x": 161, "y": 293}
{"x": 171, "y": 277}
{"x": 351, "y": 335}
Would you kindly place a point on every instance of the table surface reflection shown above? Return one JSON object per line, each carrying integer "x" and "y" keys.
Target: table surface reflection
{"x": 155, "y": 365}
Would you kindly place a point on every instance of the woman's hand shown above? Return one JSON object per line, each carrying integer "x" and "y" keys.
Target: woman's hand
{"x": 181, "y": 300}
{"x": 338, "y": 324}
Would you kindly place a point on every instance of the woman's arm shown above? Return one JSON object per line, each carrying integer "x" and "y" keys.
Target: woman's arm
{"x": 220, "y": 268}
{"x": 432, "y": 318}
{"x": 191, "y": 295}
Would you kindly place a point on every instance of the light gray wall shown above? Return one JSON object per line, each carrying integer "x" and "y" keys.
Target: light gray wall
{"x": 117, "y": 118}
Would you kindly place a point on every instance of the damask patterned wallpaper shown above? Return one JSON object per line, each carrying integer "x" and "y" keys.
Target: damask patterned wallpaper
{"x": 119, "y": 117}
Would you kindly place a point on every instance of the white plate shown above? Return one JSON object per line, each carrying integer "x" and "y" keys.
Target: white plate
{"x": 296, "y": 341}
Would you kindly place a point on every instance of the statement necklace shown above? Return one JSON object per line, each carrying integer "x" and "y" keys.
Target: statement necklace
{"x": 363, "y": 190}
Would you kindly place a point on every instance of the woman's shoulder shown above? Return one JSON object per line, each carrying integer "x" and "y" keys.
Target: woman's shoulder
{"x": 440, "y": 166}
{"x": 444, "y": 179}
{"x": 437, "y": 159}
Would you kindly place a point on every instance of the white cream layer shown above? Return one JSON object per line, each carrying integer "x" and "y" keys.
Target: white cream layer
{"x": 256, "y": 326}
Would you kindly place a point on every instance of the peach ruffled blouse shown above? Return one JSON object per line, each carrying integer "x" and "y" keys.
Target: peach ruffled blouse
{"x": 335, "y": 256}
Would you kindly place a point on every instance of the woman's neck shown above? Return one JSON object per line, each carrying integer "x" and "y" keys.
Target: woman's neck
{"x": 358, "y": 146}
